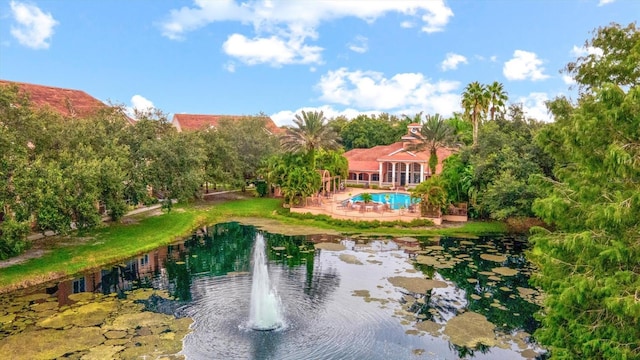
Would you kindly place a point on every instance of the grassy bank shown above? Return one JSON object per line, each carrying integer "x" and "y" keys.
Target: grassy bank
{"x": 110, "y": 244}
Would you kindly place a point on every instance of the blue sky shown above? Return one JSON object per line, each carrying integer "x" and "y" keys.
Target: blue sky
{"x": 280, "y": 57}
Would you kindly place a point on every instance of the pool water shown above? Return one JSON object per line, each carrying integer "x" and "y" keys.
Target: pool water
{"x": 395, "y": 200}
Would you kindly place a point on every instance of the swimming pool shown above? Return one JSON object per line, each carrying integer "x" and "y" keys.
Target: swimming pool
{"x": 395, "y": 200}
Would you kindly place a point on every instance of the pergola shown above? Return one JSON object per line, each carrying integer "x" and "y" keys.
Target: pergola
{"x": 329, "y": 183}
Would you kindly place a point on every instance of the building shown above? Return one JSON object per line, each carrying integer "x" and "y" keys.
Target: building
{"x": 66, "y": 102}
{"x": 193, "y": 122}
{"x": 393, "y": 165}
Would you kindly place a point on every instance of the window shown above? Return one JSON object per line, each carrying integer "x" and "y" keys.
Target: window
{"x": 78, "y": 285}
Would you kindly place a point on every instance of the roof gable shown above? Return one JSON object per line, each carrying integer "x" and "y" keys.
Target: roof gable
{"x": 66, "y": 102}
{"x": 193, "y": 122}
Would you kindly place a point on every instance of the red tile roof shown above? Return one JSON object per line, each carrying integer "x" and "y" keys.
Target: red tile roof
{"x": 191, "y": 122}
{"x": 67, "y": 102}
{"x": 366, "y": 160}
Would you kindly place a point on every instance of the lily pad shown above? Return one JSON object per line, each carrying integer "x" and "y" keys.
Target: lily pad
{"x": 470, "y": 329}
{"x": 505, "y": 271}
{"x": 350, "y": 259}
{"x": 86, "y": 315}
{"x": 496, "y": 258}
{"x": 330, "y": 246}
{"x": 416, "y": 285}
{"x": 49, "y": 343}
{"x": 430, "y": 327}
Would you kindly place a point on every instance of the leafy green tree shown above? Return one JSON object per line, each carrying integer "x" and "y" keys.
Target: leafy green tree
{"x": 433, "y": 195}
{"x": 615, "y": 59}
{"x": 463, "y": 130}
{"x": 12, "y": 235}
{"x": 222, "y": 163}
{"x": 459, "y": 178}
{"x": 333, "y": 161}
{"x": 251, "y": 142}
{"x": 310, "y": 134}
{"x": 475, "y": 102}
{"x": 367, "y": 131}
{"x": 176, "y": 166}
{"x": 589, "y": 266}
{"x": 497, "y": 98}
{"x": 301, "y": 182}
{"x": 435, "y": 133}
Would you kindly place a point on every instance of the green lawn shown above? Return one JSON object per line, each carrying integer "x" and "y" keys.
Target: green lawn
{"x": 116, "y": 242}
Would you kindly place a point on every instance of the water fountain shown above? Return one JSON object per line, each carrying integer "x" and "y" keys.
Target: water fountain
{"x": 266, "y": 311}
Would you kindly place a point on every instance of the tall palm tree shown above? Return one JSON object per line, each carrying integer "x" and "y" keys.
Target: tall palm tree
{"x": 497, "y": 98}
{"x": 311, "y": 133}
{"x": 434, "y": 134}
{"x": 475, "y": 101}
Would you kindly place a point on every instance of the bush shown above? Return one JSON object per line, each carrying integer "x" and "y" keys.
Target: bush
{"x": 13, "y": 236}
{"x": 261, "y": 188}
{"x": 360, "y": 224}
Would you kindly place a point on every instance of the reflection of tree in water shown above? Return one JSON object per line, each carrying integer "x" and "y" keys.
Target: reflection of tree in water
{"x": 297, "y": 251}
{"x": 519, "y": 312}
{"x": 224, "y": 248}
{"x": 216, "y": 250}
{"x": 465, "y": 352}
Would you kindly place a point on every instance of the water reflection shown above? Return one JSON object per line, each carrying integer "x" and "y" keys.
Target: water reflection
{"x": 339, "y": 304}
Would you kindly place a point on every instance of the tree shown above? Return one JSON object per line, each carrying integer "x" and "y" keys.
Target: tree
{"x": 614, "y": 58}
{"x": 433, "y": 195}
{"x": 475, "y": 101}
{"x": 497, "y": 98}
{"x": 176, "y": 166}
{"x": 222, "y": 164}
{"x": 310, "y": 134}
{"x": 251, "y": 142}
{"x": 435, "y": 133}
{"x": 589, "y": 266}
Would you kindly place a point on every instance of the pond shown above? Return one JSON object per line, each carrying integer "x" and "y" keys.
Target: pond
{"x": 342, "y": 298}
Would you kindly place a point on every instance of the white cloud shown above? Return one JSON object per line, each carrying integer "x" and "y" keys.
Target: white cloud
{"x": 35, "y": 28}
{"x": 285, "y": 117}
{"x": 524, "y": 65}
{"x": 568, "y": 80}
{"x": 407, "y": 24}
{"x": 272, "y": 50}
{"x": 139, "y": 103}
{"x": 534, "y": 106}
{"x": 605, "y": 2}
{"x": 405, "y": 92}
{"x": 580, "y": 51}
{"x": 493, "y": 58}
{"x": 359, "y": 44}
{"x": 452, "y": 61}
{"x": 287, "y": 25}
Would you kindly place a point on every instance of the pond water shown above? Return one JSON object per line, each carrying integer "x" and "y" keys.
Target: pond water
{"x": 342, "y": 298}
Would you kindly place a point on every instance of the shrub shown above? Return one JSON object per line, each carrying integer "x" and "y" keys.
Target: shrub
{"x": 360, "y": 224}
{"x": 13, "y": 236}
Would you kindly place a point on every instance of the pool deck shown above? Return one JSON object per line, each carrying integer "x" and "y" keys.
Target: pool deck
{"x": 332, "y": 206}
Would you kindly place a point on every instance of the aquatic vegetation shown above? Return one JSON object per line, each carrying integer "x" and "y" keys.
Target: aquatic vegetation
{"x": 105, "y": 328}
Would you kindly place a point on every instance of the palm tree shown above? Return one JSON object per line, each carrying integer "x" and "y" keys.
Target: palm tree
{"x": 310, "y": 134}
{"x": 497, "y": 98}
{"x": 475, "y": 101}
{"x": 434, "y": 134}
